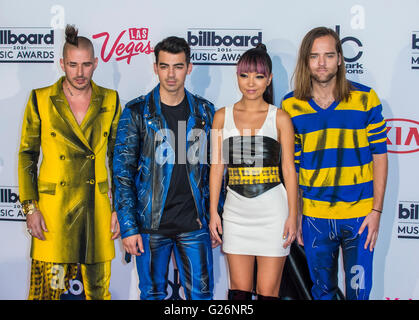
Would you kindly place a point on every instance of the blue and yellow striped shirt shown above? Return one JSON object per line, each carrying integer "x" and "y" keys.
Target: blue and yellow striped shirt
{"x": 333, "y": 152}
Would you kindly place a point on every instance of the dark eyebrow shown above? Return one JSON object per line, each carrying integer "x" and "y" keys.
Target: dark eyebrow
{"x": 176, "y": 64}
{"x": 86, "y": 62}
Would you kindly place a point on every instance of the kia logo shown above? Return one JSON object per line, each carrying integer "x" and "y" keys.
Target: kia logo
{"x": 402, "y": 135}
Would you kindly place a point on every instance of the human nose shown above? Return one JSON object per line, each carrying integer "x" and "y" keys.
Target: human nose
{"x": 79, "y": 71}
{"x": 171, "y": 72}
{"x": 251, "y": 80}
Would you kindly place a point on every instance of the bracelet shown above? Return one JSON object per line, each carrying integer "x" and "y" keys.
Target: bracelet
{"x": 376, "y": 210}
{"x": 29, "y": 207}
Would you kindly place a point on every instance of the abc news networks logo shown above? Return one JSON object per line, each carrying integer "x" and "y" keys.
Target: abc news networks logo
{"x": 10, "y": 208}
{"x": 402, "y": 135}
{"x": 408, "y": 220}
{"x": 126, "y": 45}
{"x": 26, "y": 45}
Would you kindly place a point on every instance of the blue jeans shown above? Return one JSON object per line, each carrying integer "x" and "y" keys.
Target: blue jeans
{"x": 322, "y": 240}
{"x": 193, "y": 255}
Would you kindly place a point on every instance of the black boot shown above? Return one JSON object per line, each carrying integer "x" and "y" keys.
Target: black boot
{"x": 239, "y": 295}
{"x": 260, "y": 297}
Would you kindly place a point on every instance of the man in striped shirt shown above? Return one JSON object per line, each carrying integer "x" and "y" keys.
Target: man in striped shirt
{"x": 341, "y": 158}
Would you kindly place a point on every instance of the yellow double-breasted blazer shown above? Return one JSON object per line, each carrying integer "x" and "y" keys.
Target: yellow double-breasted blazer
{"x": 72, "y": 184}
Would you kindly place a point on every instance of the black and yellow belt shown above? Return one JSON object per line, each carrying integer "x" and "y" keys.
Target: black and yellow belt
{"x": 253, "y": 175}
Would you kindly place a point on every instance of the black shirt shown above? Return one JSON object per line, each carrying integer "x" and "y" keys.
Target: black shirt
{"x": 179, "y": 213}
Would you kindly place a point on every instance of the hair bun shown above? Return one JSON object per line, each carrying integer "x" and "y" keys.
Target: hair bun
{"x": 71, "y": 34}
{"x": 261, "y": 46}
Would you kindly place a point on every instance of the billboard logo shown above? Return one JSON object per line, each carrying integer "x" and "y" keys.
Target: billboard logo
{"x": 10, "y": 208}
{"x": 415, "y": 50}
{"x": 409, "y": 213}
{"x": 408, "y": 220}
{"x": 128, "y": 44}
{"x": 221, "y": 46}
{"x": 26, "y": 45}
{"x": 8, "y": 196}
{"x": 402, "y": 135}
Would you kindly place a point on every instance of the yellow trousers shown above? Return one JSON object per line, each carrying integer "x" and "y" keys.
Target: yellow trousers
{"x": 49, "y": 280}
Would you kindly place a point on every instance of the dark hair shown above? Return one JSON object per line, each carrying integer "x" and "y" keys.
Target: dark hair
{"x": 302, "y": 75}
{"x": 173, "y": 45}
{"x": 73, "y": 39}
{"x": 258, "y": 60}
{"x": 71, "y": 35}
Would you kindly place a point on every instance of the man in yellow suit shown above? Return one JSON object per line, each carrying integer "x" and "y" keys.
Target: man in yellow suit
{"x": 67, "y": 207}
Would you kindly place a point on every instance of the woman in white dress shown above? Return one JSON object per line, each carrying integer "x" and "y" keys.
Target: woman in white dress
{"x": 254, "y": 140}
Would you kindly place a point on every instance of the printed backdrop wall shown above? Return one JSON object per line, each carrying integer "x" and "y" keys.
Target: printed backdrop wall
{"x": 381, "y": 47}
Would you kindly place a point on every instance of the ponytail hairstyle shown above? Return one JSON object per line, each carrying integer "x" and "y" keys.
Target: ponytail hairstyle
{"x": 72, "y": 39}
{"x": 258, "y": 60}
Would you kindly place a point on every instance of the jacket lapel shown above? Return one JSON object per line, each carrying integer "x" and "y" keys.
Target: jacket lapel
{"x": 154, "y": 116}
{"x": 94, "y": 108}
{"x": 61, "y": 105}
{"x": 196, "y": 120}
{"x": 90, "y": 127}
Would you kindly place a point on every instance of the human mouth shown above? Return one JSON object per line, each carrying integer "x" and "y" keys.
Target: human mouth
{"x": 80, "y": 80}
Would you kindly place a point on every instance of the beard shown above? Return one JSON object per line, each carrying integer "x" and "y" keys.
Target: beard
{"x": 73, "y": 83}
{"x": 323, "y": 79}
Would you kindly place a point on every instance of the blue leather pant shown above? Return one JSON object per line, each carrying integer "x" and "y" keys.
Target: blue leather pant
{"x": 193, "y": 255}
{"x": 322, "y": 240}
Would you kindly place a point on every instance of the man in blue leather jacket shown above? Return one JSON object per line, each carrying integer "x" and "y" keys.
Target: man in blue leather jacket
{"x": 161, "y": 173}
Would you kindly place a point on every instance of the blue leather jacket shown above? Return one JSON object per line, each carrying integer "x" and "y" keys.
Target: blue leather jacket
{"x": 142, "y": 164}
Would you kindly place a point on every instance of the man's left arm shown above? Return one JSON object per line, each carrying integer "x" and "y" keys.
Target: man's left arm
{"x": 377, "y": 137}
{"x": 111, "y": 143}
{"x": 380, "y": 168}
{"x": 372, "y": 220}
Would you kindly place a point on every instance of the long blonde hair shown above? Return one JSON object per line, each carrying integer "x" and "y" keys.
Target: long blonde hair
{"x": 302, "y": 76}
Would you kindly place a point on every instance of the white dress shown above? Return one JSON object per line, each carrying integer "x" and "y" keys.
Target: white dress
{"x": 255, "y": 226}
